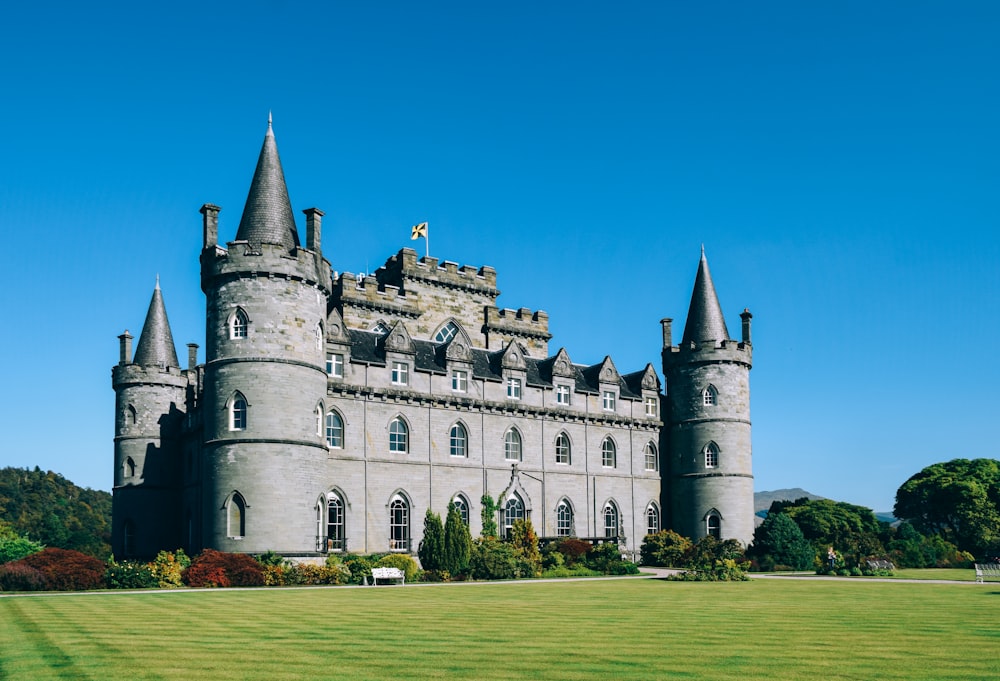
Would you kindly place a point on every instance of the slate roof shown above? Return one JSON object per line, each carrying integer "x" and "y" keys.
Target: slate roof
{"x": 267, "y": 216}
{"x": 704, "y": 321}
{"x": 156, "y": 343}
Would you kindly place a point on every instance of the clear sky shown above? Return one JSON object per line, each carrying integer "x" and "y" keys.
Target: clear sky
{"x": 840, "y": 162}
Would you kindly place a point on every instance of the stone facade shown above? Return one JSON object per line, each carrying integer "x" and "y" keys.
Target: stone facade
{"x": 333, "y": 410}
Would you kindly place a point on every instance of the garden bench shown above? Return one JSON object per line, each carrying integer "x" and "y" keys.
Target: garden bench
{"x": 388, "y": 573}
{"x": 880, "y": 564}
{"x": 985, "y": 571}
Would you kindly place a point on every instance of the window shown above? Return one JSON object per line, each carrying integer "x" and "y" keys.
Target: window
{"x": 400, "y": 373}
{"x": 610, "y": 519}
{"x": 649, "y": 454}
{"x": 609, "y": 453}
{"x": 710, "y": 397}
{"x": 320, "y": 336}
{"x": 335, "y": 365}
{"x": 512, "y": 510}
{"x": 128, "y": 468}
{"x": 713, "y": 525}
{"x": 652, "y": 406}
{"x": 335, "y": 538}
{"x": 239, "y": 324}
{"x": 334, "y": 430}
{"x": 238, "y": 412}
{"x": 652, "y": 519}
{"x": 130, "y": 415}
{"x": 564, "y": 519}
{"x": 711, "y": 455}
{"x": 608, "y": 400}
{"x": 399, "y": 524}
{"x": 562, "y": 395}
{"x": 318, "y": 413}
{"x": 458, "y": 441}
{"x": 514, "y": 388}
{"x": 462, "y": 505}
{"x": 512, "y": 445}
{"x": 563, "y": 452}
{"x": 236, "y": 517}
{"x": 398, "y": 436}
{"x": 459, "y": 381}
{"x": 380, "y": 329}
{"x": 446, "y": 333}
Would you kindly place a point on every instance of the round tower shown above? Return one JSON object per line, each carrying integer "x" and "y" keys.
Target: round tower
{"x": 710, "y": 483}
{"x": 265, "y": 377}
{"x": 150, "y": 396}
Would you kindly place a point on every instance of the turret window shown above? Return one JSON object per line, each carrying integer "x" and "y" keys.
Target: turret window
{"x": 236, "y": 516}
{"x": 239, "y": 324}
{"x": 711, "y": 455}
{"x": 512, "y": 445}
{"x": 713, "y": 525}
{"x": 238, "y": 412}
{"x": 564, "y": 453}
{"x": 609, "y": 453}
{"x": 710, "y": 396}
{"x": 128, "y": 468}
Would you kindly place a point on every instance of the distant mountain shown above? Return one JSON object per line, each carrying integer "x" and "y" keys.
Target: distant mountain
{"x": 762, "y": 500}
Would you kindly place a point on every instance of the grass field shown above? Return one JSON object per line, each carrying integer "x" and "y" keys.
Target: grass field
{"x": 621, "y": 629}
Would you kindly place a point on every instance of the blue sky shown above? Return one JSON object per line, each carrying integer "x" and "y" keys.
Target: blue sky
{"x": 840, "y": 162}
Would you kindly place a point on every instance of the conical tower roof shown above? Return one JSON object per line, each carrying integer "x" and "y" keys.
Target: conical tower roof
{"x": 156, "y": 344}
{"x": 267, "y": 216}
{"x": 704, "y": 321}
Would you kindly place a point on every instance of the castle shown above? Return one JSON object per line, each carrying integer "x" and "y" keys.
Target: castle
{"x": 333, "y": 410}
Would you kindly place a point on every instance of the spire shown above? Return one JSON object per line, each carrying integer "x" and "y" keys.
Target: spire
{"x": 267, "y": 216}
{"x": 704, "y": 321}
{"x": 156, "y": 344}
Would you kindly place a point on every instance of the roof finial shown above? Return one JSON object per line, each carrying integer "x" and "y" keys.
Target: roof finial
{"x": 157, "y": 281}
{"x": 269, "y": 131}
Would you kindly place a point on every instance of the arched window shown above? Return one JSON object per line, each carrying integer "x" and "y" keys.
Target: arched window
{"x": 320, "y": 336}
{"x": 710, "y": 396}
{"x": 334, "y": 430}
{"x": 609, "y": 453}
{"x": 380, "y": 329}
{"x": 462, "y": 505}
{"x": 458, "y": 441}
{"x": 564, "y": 453}
{"x": 564, "y": 519}
{"x": 130, "y": 415}
{"x": 398, "y": 436}
{"x": 128, "y": 467}
{"x": 335, "y": 537}
{"x": 610, "y": 519}
{"x": 236, "y": 516}
{"x": 649, "y": 454}
{"x": 652, "y": 518}
{"x": 239, "y": 324}
{"x": 711, "y": 455}
{"x": 238, "y": 412}
{"x": 446, "y": 333}
{"x": 512, "y": 510}
{"x": 128, "y": 538}
{"x": 713, "y": 525}
{"x": 512, "y": 445}
{"x": 399, "y": 524}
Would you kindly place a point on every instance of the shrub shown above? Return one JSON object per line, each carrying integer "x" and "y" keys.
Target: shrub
{"x": 14, "y": 546}
{"x": 525, "y": 543}
{"x": 218, "y": 569}
{"x": 18, "y": 577}
{"x": 493, "y": 559}
{"x": 431, "y": 550}
{"x": 563, "y": 572}
{"x": 572, "y": 549}
{"x": 66, "y": 570}
{"x": 130, "y": 574}
{"x": 403, "y": 562}
{"x": 360, "y": 567}
{"x": 665, "y": 547}
{"x": 457, "y": 543}
{"x": 606, "y": 559}
{"x": 307, "y": 573}
{"x": 168, "y": 568}
{"x": 779, "y": 541}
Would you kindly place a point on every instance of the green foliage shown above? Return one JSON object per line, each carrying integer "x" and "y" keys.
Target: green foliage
{"x": 562, "y": 572}
{"x": 130, "y": 574}
{"x": 168, "y": 568}
{"x": 62, "y": 569}
{"x": 666, "y": 548}
{"x": 219, "y": 569}
{"x": 525, "y": 543}
{"x": 606, "y": 559}
{"x": 778, "y": 541}
{"x": 493, "y": 559}
{"x": 55, "y": 512}
{"x": 709, "y": 559}
{"x": 488, "y": 515}
{"x": 360, "y": 567}
{"x": 403, "y": 562}
{"x": 457, "y": 544}
{"x": 431, "y": 550}
{"x": 957, "y": 500}
{"x": 14, "y": 546}
{"x": 271, "y": 558}
{"x": 851, "y": 530}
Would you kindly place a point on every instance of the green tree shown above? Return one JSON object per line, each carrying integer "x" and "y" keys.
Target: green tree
{"x": 525, "y": 543}
{"x": 489, "y": 516}
{"x": 666, "y": 548}
{"x": 14, "y": 546}
{"x": 431, "y": 550}
{"x": 958, "y": 500}
{"x": 457, "y": 543}
{"x": 779, "y": 541}
{"x": 851, "y": 530}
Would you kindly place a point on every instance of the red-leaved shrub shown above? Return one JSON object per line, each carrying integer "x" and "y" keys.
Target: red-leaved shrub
{"x": 219, "y": 569}
{"x": 66, "y": 570}
{"x": 17, "y": 577}
{"x": 572, "y": 549}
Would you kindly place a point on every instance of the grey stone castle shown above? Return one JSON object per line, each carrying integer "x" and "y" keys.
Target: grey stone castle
{"x": 333, "y": 410}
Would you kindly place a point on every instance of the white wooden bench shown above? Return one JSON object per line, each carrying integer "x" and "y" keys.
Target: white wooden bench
{"x": 985, "y": 571}
{"x": 388, "y": 573}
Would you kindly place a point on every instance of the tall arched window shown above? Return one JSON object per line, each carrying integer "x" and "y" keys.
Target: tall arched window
{"x": 711, "y": 455}
{"x": 652, "y": 518}
{"x": 320, "y": 336}
{"x": 564, "y": 519}
{"x": 236, "y": 516}
{"x": 334, "y": 430}
{"x": 318, "y": 413}
{"x": 458, "y": 441}
{"x": 710, "y": 396}
{"x": 512, "y": 445}
{"x": 130, "y": 415}
{"x": 610, "y": 519}
{"x": 713, "y": 525}
{"x": 335, "y": 537}
{"x": 238, "y": 412}
{"x": 128, "y": 467}
{"x": 609, "y": 453}
{"x": 564, "y": 453}
{"x": 399, "y": 436}
{"x": 462, "y": 505}
{"x": 649, "y": 454}
{"x": 399, "y": 524}
{"x": 512, "y": 510}
{"x": 239, "y": 324}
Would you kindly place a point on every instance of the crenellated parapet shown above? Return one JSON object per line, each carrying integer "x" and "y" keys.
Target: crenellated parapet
{"x": 710, "y": 351}
{"x": 530, "y": 327}
{"x": 405, "y": 266}
{"x": 126, "y": 375}
{"x": 241, "y": 260}
{"x": 369, "y": 293}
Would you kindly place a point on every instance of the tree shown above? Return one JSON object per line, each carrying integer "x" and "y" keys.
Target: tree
{"x": 457, "y": 543}
{"x": 958, "y": 500}
{"x": 14, "y": 546}
{"x": 525, "y": 543}
{"x": 851, "y": 530}
{"x": 779, "y": 541}
{"x": 666, "y": 547}
{"x": 431, "y": 550}
{"x": 489, "y": 516}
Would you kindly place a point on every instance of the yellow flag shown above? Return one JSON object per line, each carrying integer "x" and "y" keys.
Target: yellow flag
{"x": 419, "y": 231}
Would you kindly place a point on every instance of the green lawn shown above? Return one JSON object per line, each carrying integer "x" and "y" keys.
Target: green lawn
{"x": 622, "y": 629}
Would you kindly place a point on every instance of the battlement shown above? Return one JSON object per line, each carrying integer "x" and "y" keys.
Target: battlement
{"x": 123, "y": 375}
{"x": 504, "y": 325}
{"x": 241, "y": 259}
{"x": 405, "y": 265}
{"x": 719, "y": 351}
{"x": 369, "y": 292}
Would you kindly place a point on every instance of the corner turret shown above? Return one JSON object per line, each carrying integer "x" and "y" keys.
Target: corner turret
{"x": 156, "y": 343}
{"x": 267, "y": 216}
